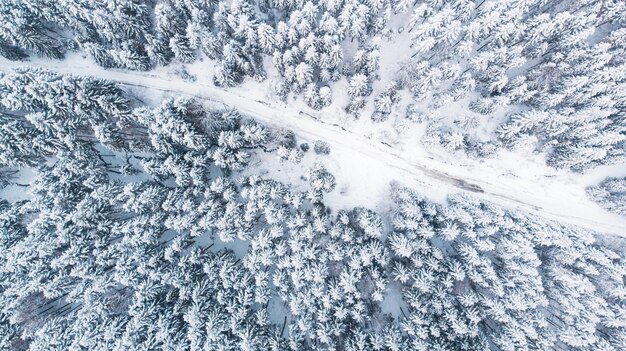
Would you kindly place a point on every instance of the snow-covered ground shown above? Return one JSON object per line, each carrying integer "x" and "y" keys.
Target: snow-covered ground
{"x": 366, "y": 164}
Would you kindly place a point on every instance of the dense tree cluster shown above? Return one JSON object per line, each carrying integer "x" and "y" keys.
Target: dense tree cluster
{"x": 113, "y": 246}
{"x": 555, "y": 69}
{"x": 304, "y": 38}
{"x": 476, "y": 276}
{"x": 100, "y": 258}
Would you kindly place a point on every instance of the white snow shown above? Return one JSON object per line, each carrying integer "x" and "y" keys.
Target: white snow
{"x": 13, "y": 192}
{"x": 365, "y": 166}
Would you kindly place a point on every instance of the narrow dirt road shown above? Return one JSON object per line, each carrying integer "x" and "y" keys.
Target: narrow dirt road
{"x": 427, "y": 173}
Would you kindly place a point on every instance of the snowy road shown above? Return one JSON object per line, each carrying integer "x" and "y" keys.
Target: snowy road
{"x": 551, "y": 199}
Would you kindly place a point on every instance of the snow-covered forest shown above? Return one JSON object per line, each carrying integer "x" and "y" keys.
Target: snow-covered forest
{"x": 611, "y": 194}
{"x": 137, "y": 218}
{"x": 548, "y": 73}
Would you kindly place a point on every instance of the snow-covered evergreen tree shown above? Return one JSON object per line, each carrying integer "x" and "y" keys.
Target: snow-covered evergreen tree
{"x": 610, "y": 194}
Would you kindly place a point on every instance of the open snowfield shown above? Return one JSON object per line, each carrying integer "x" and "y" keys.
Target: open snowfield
{"x": 361, "y": 155}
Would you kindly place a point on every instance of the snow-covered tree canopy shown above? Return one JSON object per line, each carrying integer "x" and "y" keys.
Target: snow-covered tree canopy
{"x": 546, "y": 73}
{"x": 151, "y": 228}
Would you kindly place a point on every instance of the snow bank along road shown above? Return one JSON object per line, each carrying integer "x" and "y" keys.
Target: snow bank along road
{"x": 423, "y": 174}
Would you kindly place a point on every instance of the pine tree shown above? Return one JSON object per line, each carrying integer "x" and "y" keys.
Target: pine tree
{"x": 610, "y": 194}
